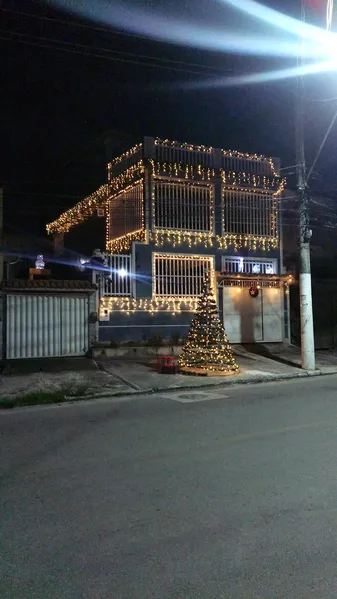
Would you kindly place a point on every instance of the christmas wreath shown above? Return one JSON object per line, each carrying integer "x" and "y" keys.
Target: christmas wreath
{"x": 253, "y": 291}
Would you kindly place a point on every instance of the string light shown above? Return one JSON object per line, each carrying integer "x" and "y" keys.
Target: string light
{"x": 251, "y": 179}
{"x": 134, "y": 175}
{"x": 184, "y": 145}
{"x": 182, "y": 171}
{"x": 79, "y": 213}
{"x": 123, "y": 243}
{"x": 127, "y": 305}
{"x": 210, "y": 149}
{"x": 83, "y": 210}
{"x": 125, "y": 156}
{"x": 180, "y": 304}
{"x": 176, "y": 238}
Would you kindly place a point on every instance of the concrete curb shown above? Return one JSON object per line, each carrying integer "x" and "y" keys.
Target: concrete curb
{"x": 70, "y": 400}
{"x": 119, "y": 377}
{"x": 224, "y": 383}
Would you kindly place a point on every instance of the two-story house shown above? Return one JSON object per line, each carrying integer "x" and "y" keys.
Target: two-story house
{"x": 172, "y": 212}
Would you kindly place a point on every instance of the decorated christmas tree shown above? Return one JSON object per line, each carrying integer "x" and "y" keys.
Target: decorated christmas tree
{"x": 206, "y": 350}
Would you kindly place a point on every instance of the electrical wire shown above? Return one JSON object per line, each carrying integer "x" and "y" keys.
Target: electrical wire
{"x": 321, "y": 147}
{"x": 76, "y": 24}
{"x": 131, "y": 55}
{"x": 91, "y": 54}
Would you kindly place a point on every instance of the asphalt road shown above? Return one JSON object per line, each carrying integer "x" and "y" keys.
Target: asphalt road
{"x": 151, "y": 498}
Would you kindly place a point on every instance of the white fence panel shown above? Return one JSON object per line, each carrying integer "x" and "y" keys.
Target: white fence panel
{"x": 74, "y": 329}
{"x": 46, "y": 326}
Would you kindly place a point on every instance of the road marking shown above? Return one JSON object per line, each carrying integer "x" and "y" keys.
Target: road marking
{"x": 196, "y": 396}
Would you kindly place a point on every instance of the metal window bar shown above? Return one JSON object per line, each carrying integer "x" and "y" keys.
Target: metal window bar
{"x": 180, "y": 275}
{"x": 183, "y": 206}
{"x": 248, "y": 213}
{"x": 236, "y": 265}
{"x": 125, "y": 212}
{"x": 115, "y": 278}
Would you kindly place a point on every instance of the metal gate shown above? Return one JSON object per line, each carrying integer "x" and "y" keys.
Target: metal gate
{"x": 46, "y": 326}
{"x": 253, "y": 320}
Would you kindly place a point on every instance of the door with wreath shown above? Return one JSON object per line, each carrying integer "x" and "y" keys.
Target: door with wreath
{"x": 253, "y": 315}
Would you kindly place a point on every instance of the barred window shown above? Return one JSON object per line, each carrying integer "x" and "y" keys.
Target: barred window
{"x": 249, "y": 213}
{"x": 115, "y": 277}
{"x": 175, "y": 275}
{"x": 126, "y": 212}
{"x": 247, "y": 266}
{"x": 183, "y": 206}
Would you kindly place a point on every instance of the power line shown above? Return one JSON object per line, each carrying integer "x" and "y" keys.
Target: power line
{"x": 70, "y": 49}
{"x": 77, "y": 24}
{"x": 125, "y": 53}
{"x": 321, "y": 146}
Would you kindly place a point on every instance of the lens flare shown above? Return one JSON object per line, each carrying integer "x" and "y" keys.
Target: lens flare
{"x": 253, "y": 78}
{"x": 329, "y": 14}
{"x": 256, "y": 38}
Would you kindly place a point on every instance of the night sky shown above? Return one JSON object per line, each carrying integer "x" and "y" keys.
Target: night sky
{"x": 64, "y": 110}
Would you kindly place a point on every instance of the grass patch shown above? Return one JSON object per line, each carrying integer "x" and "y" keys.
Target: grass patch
{"x": 43, "y": 397}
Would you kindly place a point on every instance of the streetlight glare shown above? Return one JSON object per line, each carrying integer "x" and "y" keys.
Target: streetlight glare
{"x": 221, "y": 35}
{"x": 329, "y": 14}
{"x": 261, "y": 77}
{"x": 320, "y": 44}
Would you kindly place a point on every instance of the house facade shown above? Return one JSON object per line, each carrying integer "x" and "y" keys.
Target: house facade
{"x": 172, "y": 213}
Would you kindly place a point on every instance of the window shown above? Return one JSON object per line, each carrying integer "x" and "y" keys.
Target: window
{"x": 249, "y": 213}
{"x": 247, "y": 266}
{"x": 126, "y": 212}
{"x": 183, "y": 206}
{"x": 175, "y": 275}
{"x": 114, "y": 278}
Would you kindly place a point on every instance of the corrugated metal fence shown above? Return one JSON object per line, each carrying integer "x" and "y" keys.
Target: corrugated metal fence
{"x": 46, "y": 326}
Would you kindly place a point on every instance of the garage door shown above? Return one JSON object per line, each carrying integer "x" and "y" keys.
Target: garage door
{"x": 46, "y": 326}
{"x": 253, "y": 320}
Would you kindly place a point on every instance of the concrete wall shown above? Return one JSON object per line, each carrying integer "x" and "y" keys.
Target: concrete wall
{"x": 141, "y": 326}
{"x": 324, "y": 296}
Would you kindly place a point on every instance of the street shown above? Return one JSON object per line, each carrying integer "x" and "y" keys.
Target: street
{"x": 226, "y": 494}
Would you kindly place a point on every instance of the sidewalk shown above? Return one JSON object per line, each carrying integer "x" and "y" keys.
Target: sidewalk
{"x": 283, "y": 353}
{"x": 74, "y": 374}
{"x": 106, "y": 377}
{"x": 254, "y": 368}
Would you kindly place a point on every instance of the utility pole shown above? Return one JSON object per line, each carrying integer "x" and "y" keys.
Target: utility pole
{"x": 306, "y": 313}
{"x": 1, "y": 234}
